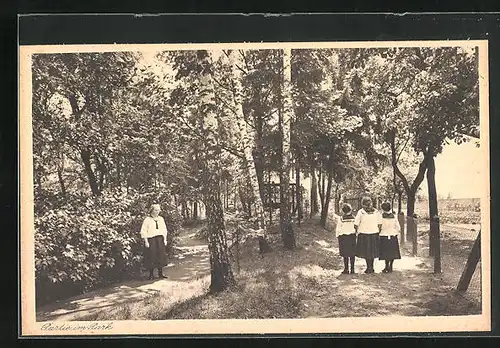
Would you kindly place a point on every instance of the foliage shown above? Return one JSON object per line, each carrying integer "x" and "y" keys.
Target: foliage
{"x": 84, "y": 242}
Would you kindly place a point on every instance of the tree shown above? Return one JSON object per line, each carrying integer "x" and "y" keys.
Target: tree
{"x": 447, "y": 95}
{"x": 196, "y": 68}
{"x": 286, "y": 115}
{"x": 246, "y": 139}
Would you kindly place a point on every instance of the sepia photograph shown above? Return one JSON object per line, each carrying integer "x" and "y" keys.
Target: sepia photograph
{"x": 255, "y": 188}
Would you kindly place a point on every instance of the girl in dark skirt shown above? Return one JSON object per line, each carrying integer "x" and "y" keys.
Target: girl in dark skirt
{"x": 154, "y": 233}
{"x": 367, "y": 225}
{"x": 344, "y": 230}
{"x": 389, "y": 244}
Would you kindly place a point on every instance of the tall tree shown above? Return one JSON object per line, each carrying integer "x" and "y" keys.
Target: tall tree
{"x": 287, "y": 232}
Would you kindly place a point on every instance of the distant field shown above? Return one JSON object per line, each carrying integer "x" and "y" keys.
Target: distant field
{"x": 454, "y": 211}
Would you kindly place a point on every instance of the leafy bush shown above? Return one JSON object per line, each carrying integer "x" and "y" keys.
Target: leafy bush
{"x": 82, "y": 243}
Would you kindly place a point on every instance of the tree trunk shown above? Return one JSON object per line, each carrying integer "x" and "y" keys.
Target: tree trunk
{"x": 411, "y": 222}
{"x": 338, "y": 196}
{"x": 85, "y": 155}
{"x": 195, "y": 210}
{"x": 220, "y": 268}
{"x": 326, "y": 204}
{"x": 298, "y": 192}
{"x": 314, "y": 193}
{"x": 247, "y": 141}
{"x": 287, "y": 233}
{"x": 434, "y": 242}
{"x": 411, "y": 191}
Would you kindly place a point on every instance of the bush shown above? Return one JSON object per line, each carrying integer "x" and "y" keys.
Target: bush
{"x": 82, "y": 243}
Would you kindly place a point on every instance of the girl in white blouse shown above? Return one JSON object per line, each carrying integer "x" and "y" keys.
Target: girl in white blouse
{"x": 344, "y": 231}
{"x": 389, "y": 244}
{"x": 154, "y": 234}
{"x": 367, "y": 224}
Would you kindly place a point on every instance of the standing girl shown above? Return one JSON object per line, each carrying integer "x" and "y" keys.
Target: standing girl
{"x": 344, "y": 231}
{"x": 389, "y": 244}
{"x": 154, "y": 233}
{"x": 367, "y": 225}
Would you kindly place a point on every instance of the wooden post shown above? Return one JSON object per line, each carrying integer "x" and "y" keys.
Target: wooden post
{"x": 238, "y": 248}
{"x": 470, "y": 266}
{"x": 401, "y": 220}
{"x": 414, "y": 235}
{"x": 436, "y": 250}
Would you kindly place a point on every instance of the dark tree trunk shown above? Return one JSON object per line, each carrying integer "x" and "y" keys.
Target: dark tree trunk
{"x": 195, "y": 210}
{"x": 61, "y": 181}
{"x": 221, "y": 273}
{"x": 298, "y": 192}
{"x": 435, "y": 240}
{"x": 411, "y": 191}
{"x": 337, "y": 200}
{"x": 85, "y": 155}
{"x": 314, "y": 193}
{"x": 326, "y": 203}
{"x": 400, "y": 202}
{"x": 411, "y": 222}
{"x": 185, "y": 210}
{"x": 259, "y": 170}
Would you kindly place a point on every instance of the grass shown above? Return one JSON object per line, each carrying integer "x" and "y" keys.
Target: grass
{"x": 305, "y": 283}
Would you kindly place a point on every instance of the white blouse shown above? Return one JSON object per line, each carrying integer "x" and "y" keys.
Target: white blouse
{"x": 344, "y": 227}
{"x": 150, "y": 228}
{"x": 368, "y": 222}
{"x": 390, "y": 227}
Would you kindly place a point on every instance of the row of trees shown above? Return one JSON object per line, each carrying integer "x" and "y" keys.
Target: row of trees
{"x": 193, "y": 123}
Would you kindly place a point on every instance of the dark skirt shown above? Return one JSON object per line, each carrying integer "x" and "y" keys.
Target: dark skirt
{"x": 389, "y": 248}
{"x": 156, "y": 255}
{"x": 367, "y": 246}
{"x": 347, "y": 245}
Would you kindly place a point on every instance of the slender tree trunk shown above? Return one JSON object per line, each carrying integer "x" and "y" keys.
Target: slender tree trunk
{"x": 298, "y": 192}
{"x": 411, "y": 222}
{"x": 287, "y": 232}
{"x": 338, "y": 196}
{"x": 195, "y": 210}
{"x": 435, "y": 240}
{"x": 411, "y": 191}
{"x": 314, "y": 193}
{"x": 401, "y": 217}
{"x": 321, "y": 184}
{"x": 247, "y": 141}
{"x": 326, "y": 204}
{"x": 85, "y": 155}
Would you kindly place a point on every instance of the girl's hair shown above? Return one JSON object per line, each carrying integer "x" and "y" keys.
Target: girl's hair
{"x": 346, "y": 208}
{"x": 386, "y": 206}
{"x": 365, "y": 200}
{"x": 154, "y": 206}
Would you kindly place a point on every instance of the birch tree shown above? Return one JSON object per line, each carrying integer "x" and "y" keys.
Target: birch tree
{"x": 247, "y": 141}
{"x": 287, "y": 232}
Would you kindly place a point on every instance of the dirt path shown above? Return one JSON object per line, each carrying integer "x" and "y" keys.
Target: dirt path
{"x": 191, "y": 263}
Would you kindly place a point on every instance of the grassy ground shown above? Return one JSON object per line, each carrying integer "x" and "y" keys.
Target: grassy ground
{"x": 306, "y": 283}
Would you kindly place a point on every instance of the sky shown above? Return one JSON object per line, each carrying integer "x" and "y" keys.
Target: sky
{"x": 459, "y": 172}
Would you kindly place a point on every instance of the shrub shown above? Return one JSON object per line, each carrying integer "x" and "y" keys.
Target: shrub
{"x": 82, "y": 243}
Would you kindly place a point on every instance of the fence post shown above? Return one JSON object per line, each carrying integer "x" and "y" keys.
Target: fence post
{"x": 435, "y": 242}
{"x": 470, "y": 266}
{"x": 401, "y": 220}
{"x": 414, "y": 235}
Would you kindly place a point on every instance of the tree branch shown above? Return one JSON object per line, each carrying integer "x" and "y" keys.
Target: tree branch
{"x": 394, "y": 162}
